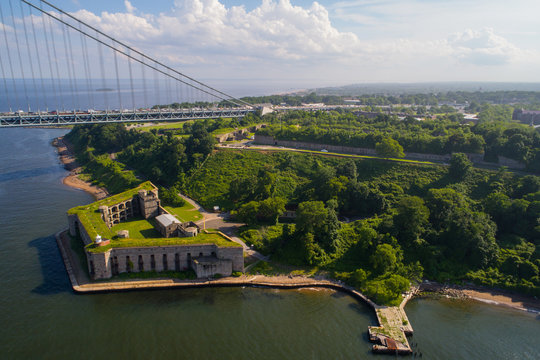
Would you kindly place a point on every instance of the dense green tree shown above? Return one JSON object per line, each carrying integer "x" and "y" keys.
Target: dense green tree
{"x": 384, "y": 258}
{"x": 411, "y": 219}
{"x": 441, "y": 204}
{"x": 470, "y": 238}
{"x": 310, "y": 215}
{"x": 271, "y": 209}
{"x": 248, "y": 212}
{"x": 389, "y": 147}
{"x": 459, "y": 166}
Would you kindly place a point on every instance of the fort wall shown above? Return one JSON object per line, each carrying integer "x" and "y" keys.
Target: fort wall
{"x": 161, "y": 258}
{"x": 475, "y": 158}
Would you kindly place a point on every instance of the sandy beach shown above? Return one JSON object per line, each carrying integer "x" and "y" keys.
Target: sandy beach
{"x": 66, "y": 157}
{"x": 485, "y": 295}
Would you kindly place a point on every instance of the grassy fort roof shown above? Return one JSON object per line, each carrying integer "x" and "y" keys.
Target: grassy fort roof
{"x": 126, "y": 233}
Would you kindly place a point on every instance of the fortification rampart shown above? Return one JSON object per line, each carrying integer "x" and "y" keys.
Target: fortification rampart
{"x": 162, "y": 258}
{"x": 475, "y": 158}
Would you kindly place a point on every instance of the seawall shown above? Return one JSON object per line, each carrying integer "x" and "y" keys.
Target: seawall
{"x": 386, "y": 335}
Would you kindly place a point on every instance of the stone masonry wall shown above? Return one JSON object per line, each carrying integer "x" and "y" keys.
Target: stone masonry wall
{"x": 475, "y": 158}
{"x": 141, "y": 258}
{"x": 223, "y": 267}
{"x": 74, "y": 223}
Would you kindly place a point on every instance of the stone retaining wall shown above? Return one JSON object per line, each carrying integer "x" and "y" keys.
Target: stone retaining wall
{"x": 158, "y": 258}
{"x": 475, "y": 158}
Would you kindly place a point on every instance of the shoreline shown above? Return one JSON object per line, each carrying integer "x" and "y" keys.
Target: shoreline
{"x": 476, "y": 293}
{"x": 65, "y": 154}
{"x": 484, "y": 295}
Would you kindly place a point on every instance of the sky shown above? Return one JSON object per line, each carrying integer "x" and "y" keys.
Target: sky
{"x": 325, "y": 43}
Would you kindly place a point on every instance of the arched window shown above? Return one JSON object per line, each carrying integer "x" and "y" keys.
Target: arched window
{"x": 177, "y": 262}
{"x": 141, "y": 263}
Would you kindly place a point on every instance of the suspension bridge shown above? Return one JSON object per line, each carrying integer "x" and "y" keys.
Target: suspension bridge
{"x": 60, "y": 70}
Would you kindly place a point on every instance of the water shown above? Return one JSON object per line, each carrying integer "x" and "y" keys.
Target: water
{"x": 60, "y": 94}
{"x": 42, "y": 318}
{"x": 464, "y": 329}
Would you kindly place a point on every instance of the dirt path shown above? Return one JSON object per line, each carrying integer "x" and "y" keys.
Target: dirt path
{"x": 65, "y": 154}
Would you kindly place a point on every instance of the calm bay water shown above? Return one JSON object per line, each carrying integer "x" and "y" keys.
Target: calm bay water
{"x": 42, "y": 318}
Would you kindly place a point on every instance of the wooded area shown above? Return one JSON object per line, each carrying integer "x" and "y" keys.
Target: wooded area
{"x": 376, "y": 225}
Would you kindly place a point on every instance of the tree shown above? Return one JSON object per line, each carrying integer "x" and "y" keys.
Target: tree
{"x": 411, "y": 219}
{"x": 470, "y": 238}
{"x": 442, "y": 203}
{"x": 384, "y": 259}
{"x": 459, "y": 166}
{"x": 271, "y": 209}
{"x": 389, "y": 147}
{"x": 310, "y": 215}
{"x": 248, "y": 212}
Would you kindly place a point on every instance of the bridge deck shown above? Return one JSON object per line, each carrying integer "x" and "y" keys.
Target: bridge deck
{"x": 72, "y": 118}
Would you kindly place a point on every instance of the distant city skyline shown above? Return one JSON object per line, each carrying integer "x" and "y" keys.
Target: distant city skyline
{"x": 328, "y": 43}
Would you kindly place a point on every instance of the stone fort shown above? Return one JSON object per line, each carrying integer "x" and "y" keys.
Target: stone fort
{"x": 107, "y": 257}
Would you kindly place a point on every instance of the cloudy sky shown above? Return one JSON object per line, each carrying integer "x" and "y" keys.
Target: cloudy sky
{"x": 329, "y": 42}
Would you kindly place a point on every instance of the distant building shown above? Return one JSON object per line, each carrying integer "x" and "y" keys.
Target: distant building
{"x": 528, "y": 117}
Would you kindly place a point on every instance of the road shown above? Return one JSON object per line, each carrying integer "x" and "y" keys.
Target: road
{"x": 219, "y": 221}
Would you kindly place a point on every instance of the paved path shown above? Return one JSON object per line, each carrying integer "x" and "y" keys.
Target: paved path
{"x": 219, "y": 221}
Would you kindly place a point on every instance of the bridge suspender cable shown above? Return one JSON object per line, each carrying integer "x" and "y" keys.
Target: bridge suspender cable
{"x": 19, "y": 56}
{"x": 211, "y": 91}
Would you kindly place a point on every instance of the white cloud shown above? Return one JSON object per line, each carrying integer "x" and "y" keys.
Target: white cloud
{"x": 275, "y": 29}
{"x": 277, "y": 39}
{"x": 483, "y": 47}
{"x": 129, "y": 8}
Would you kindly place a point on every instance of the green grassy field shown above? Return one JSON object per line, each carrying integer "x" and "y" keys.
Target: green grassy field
{"x": 172, "y": 125}
{"x": 202, "y": 238}
{"x": 139, "y": 228}
{"x": 184, "y": 213}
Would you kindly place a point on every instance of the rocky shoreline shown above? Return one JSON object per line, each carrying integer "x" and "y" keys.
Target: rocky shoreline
{"x": 482, "y": 294}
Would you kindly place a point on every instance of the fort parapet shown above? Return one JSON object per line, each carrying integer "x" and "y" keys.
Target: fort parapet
{"x": 181, "y": 247}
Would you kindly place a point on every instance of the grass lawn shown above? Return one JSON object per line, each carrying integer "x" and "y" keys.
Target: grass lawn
{"x": 186, "y": 212}
{"x": 202, "y": 238}
{"x": 139, "y": 228}
{"x": 173, "y": 125}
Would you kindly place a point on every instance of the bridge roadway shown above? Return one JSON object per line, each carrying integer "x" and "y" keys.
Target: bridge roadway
{"x": 73, "y": 118}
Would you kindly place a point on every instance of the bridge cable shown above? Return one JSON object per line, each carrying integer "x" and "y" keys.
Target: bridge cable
{"x": 5, "y": 83}
{"x": 143, "y": 66}
{"x": 42, "y": 81}
{"x": 131, "y": 83}
{"x": 68, "y": 65}
{"x": 75, "y": 83}
{"x": 29, "y": 55}
{"x": 235, "y": 101}
{"x": 53, "y": 41}
{"x": 230, "y": 98}
{"x": 168, "y": 89}
{"x": 178, "y": 99}
{"x": 103, "y": 80}
{"x": 156, "y": 89}
{"x": 87, "y": 72}
{"x": 53, "y": 78}
{"x": 19, "y": 55}
{"x": 118, "y": 81}
{"x": 2, "y": 65}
